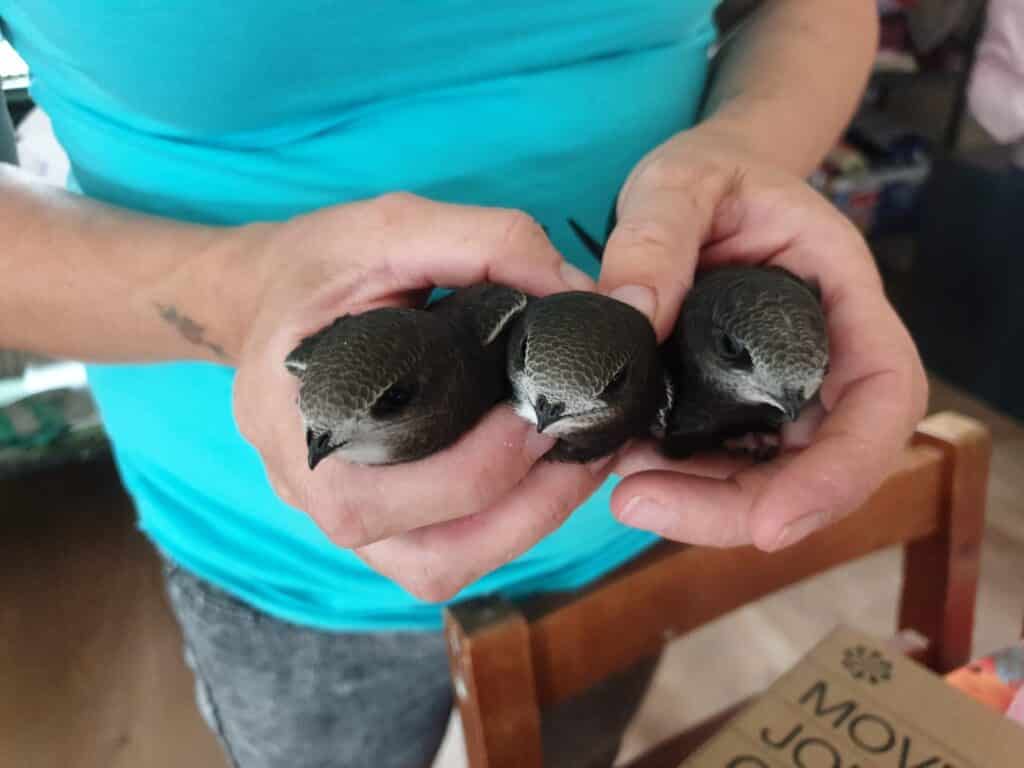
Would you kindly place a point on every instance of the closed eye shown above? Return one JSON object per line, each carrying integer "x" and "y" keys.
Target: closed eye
{"x": 732, "y": 351}
{"x": 394, "y": 399}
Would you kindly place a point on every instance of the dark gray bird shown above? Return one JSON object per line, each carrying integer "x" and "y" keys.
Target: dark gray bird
{"x": 585, "y": 369}
{"x": 748, "y": 351}
{"x": 394, "y": 384}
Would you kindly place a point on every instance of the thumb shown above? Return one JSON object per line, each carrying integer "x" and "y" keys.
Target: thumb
{"x": 652, "y": 252}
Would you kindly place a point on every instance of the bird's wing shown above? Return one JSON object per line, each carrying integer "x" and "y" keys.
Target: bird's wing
{"x": 487, "y": 308}
{"x": 595, "y": 248}
{"x": 693, "y": 414}
{"x": 690, "y": 426}
{"x": 500, "y": 307}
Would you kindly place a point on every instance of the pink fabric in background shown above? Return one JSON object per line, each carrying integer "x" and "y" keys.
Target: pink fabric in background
{"x": 996, "y": 93}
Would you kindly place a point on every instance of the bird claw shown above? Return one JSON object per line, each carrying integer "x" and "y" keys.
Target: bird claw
{"x": 760, "y": 446}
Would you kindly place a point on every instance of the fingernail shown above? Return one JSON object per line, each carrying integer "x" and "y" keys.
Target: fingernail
{"x": 639, "y": 297}
{"x": 799, "y": 529}
{"x": 576, "y": 278}
{"x": 641, "y": 512}
{"x": 536, "y": 444}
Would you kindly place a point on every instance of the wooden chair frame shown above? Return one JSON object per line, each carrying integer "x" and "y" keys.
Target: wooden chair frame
{"x": 509, "y": 661}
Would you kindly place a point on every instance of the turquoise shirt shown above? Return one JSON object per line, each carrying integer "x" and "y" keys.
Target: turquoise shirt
{"x": 224, "y": 112}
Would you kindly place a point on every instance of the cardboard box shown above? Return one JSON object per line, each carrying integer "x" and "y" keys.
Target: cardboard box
{"x": 854, "y": 703}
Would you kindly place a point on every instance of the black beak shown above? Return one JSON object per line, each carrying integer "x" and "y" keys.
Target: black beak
{"x": 319, "y": 446}
{"x": 547, "y": 412}
{"x": 792, "y": 403}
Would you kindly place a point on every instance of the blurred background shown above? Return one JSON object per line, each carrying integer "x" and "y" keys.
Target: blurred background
{"x": 939, "y": 197}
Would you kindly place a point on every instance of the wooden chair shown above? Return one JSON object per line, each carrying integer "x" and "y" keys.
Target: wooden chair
{"x": 508, "y": 664}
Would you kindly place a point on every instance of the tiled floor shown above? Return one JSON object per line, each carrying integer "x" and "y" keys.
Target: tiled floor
{"x": 91, "y": 675}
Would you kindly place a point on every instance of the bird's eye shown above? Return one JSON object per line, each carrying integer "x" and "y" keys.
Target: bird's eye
{"x": 394, "y": 399}
{"x": 616, "y": 383}
{"x": 731, "y": 350}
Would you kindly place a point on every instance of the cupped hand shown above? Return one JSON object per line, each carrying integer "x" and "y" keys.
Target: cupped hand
{"x": 707, "y": 197}
{"x": 431, "y": 525}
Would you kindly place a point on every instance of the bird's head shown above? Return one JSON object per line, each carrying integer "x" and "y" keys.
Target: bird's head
{"x": 579, "y": 361}
{"x": 762, "y": 339}
{"x": 367, "y": 381}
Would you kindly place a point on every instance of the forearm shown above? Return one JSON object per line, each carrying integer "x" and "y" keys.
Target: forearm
{"x": 789, "y": 81}
{"x": 96, "y": 283}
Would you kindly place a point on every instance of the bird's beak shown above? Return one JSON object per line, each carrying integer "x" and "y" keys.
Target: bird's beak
{"x": 319, "y": 447}
{"x": 547, "y": 413}
{"x": 545, "y": 422}
{"x": 791, "y": 403}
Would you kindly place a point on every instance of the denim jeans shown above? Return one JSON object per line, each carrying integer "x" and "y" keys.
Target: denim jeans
{"x": 280, "y": 695}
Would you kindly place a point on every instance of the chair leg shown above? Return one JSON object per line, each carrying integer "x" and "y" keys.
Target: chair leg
{"x": 492, "y": 671}
{"x": 940, "y": 573}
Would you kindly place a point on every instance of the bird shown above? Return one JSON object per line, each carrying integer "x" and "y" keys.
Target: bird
{"x": 585, "y": 368}
{"x": 748, "y": 351}
{"x": 397, "y": 384}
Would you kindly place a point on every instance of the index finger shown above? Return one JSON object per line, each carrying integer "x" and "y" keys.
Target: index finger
{"x": 358, "y": 504}
{"x": 497, "y": 245}
{"x": 436, "y": 561}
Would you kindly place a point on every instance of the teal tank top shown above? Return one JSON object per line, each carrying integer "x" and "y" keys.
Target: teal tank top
{"x": 224, "y": 112}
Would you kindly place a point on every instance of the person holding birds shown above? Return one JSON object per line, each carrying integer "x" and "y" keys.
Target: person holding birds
{"x": 236, "y": 187}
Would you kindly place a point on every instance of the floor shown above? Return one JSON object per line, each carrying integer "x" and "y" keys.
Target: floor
{"x": 91, "y": 676}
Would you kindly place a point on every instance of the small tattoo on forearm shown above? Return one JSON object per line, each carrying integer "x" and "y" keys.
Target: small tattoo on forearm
{"x": 188, "y": 328}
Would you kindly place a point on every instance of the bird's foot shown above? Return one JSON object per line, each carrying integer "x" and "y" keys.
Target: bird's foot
{"x": 760, "y": 446}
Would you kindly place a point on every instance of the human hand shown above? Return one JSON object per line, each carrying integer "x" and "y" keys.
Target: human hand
{"x": 436, "y": 524}
{"x": 707, "y": 196}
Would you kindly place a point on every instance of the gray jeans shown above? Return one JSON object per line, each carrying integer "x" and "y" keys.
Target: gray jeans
{"x": 281, "y": 695}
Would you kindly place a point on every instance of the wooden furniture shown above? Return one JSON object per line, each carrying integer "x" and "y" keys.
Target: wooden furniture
{"x": 511, "y": 661}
